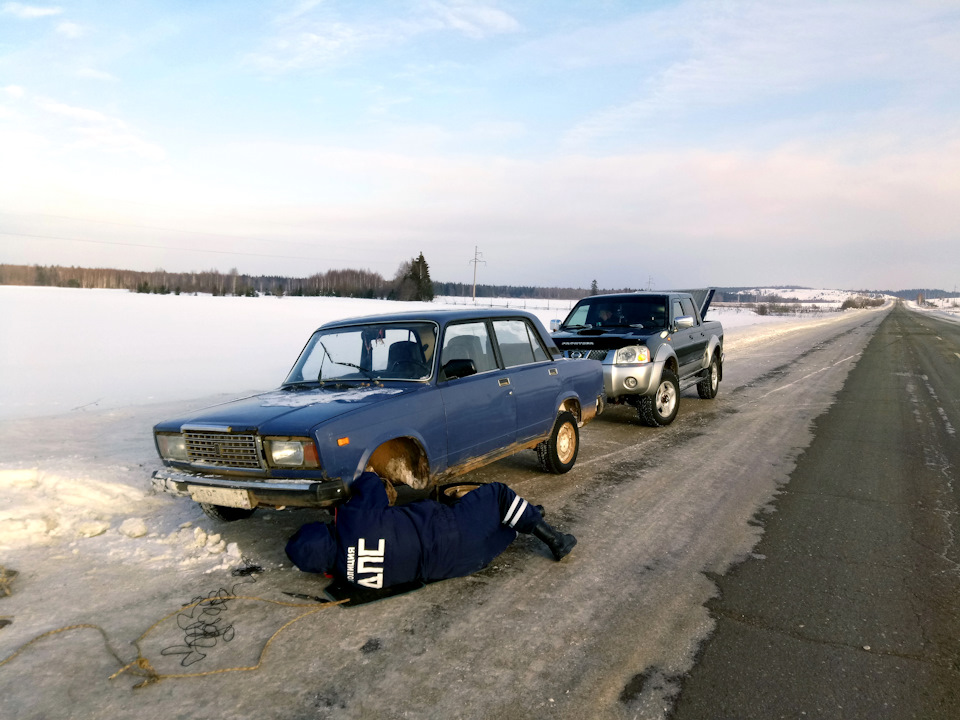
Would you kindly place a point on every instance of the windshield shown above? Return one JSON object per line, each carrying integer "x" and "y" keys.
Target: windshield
{"x": 374, "y": 351}
{"x": 640, "y": 312}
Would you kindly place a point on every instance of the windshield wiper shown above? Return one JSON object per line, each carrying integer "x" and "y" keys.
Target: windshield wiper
{"x": 326, "y": 352}
{"x": 576, "y": 327}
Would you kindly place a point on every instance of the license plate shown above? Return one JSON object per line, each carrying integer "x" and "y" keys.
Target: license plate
{"x": 229, "y": 497}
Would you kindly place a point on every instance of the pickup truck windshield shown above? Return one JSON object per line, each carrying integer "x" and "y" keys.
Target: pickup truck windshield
{"x": 643, "y": 312}
{"x": 375, "y": 351}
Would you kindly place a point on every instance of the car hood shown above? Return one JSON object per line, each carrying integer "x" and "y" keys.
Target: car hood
{"x": 287, "y": 411}
{"x": 602, "y": 338}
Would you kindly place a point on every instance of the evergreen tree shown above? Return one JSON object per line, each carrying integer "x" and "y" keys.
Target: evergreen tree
{"x": 412, "y": 281}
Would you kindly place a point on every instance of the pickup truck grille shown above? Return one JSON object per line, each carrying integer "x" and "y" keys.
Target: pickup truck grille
{"x": 223, "y": 449}
{"x": 589, "y": 354}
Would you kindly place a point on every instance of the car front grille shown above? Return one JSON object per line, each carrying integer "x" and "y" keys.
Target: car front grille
{"x": 223, "y": 449}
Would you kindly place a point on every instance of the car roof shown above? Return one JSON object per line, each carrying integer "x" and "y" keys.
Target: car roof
{"x": 625, "y": 296}
{"x": 437, "y": 315}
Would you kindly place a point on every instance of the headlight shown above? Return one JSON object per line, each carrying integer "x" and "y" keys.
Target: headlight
{"x": 291, "y": 453}
{"x": 632, "y": 355}
{"x": 172, "y": 447}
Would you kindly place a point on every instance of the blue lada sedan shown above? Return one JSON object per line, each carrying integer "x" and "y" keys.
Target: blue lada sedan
{"x": 419, "y": 398}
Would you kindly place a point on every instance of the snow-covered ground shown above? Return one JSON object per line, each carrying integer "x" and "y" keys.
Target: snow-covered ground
{"x": 948, "y": 308}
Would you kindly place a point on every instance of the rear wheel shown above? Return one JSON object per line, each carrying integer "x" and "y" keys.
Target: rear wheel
{"x": 224, "y": 513}
{"x": 661, "y": 407}
{"x": 707, "y": 388}
{"x": 558, "y": 454}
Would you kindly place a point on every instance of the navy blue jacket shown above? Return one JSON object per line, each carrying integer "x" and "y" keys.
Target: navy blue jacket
{"x": 377, "y": 545}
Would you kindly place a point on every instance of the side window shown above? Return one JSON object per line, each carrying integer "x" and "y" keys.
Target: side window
{"x": 468, "y": 341}
{"x": 519, "y": 343}
{"x": 689, "y": 308}
{"x": 677, "y": 311}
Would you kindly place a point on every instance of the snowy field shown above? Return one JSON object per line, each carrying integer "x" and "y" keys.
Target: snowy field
{"x": 74, "y": 351}
{"x": 84, "y": 374}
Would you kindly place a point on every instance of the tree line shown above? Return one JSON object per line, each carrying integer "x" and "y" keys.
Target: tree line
{"x": 412, "y": 281}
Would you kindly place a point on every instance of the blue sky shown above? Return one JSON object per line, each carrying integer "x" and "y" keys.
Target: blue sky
{"x": 670, "y": 143}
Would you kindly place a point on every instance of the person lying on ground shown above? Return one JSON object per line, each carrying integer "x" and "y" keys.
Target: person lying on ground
{"x": 376, "y": 545}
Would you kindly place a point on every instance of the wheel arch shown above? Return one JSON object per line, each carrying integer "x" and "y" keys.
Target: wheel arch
{"x": 401, "y": 460}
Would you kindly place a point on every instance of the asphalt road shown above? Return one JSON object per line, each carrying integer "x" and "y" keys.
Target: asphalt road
{"x": 647, "y": 609}
{"x": 851, "y": 607}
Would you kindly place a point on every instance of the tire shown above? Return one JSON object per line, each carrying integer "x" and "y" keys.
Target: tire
{"x": 223, "y": 513}
{"x": 661, "y": 408}
{"x": 707, "y": 388}
{"x": 559, "y": 454}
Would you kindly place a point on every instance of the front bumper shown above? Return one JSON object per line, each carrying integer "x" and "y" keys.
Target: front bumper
{"x": 289, "y": 493}
{"x": 639, "y": 379}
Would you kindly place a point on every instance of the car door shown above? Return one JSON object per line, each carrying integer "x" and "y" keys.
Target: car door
{"x": 532, "y": 376}
{"x": 693, "y": 339}
{"x": 480, "y": 409}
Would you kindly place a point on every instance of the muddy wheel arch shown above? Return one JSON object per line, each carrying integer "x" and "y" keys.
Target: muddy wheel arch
{"x": 571, "y": 405}
{"x": 402, "y": 461}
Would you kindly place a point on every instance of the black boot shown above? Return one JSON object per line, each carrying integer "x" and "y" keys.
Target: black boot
{"x": 560, "y": 544}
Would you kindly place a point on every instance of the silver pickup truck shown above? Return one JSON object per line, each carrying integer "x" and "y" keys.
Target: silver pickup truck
{"x": 652, "y": 346}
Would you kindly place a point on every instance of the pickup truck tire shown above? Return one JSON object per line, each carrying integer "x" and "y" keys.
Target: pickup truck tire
{"x": 559, "y": 454}
{"x": 661, "y": 408}
{"x": 223, "y": 513}
{"x": 707, "y": 388}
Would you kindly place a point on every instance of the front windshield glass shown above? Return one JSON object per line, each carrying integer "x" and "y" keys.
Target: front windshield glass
{"x": 640, "y": 312}
{"x": 368, "y": 352}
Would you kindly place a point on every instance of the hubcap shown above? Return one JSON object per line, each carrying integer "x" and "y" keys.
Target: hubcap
{"x": 666, "y": 399}
{"x": 566, "y": 443}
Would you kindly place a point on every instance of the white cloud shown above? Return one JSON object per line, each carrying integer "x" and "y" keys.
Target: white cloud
{"x": 14, "y": 91}
{"x": 98, "y": 131}
{"x": 312, "y": 36}
{"x": 70, "y": 30}
{"x": 93, "y": 74}
{"x": 28, "y": 12}
{"x": 476, "y": 20}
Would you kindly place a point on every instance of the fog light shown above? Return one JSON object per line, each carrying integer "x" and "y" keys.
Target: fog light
{"x": 630, "y": 382}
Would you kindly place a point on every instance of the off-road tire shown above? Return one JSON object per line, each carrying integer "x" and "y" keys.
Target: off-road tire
{"x": 707, "y": 388}
{"x": 224, "y": 513}
{"x": 558, "y": 454}
{"x": 661, "y": 408}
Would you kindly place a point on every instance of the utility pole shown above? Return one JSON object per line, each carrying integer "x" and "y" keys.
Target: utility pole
{"x": 477, "y": 255}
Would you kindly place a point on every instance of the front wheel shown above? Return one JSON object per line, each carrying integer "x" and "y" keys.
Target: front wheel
{"x": 224, "y": 513}
{"x": 707, "y": 388}
{"x": 559, "y": 453}
{"x": 661, "y": 408}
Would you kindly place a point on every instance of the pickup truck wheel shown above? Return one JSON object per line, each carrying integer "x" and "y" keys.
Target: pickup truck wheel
{"x": 661, "y": 407}
{"x": 707, "y": 388}
{"x": 223, "y": 513}
{"x": 558, "y": 454}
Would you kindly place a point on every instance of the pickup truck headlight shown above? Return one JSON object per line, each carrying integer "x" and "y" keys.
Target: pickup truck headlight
{"x": 632, "y": 355}
{"x": 291, "y": 453}
{"x": 172, "y": 447}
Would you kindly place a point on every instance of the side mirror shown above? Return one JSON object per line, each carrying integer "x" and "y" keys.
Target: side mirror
{"x": 459, "y": 368}
{"x": 685, "y": 322}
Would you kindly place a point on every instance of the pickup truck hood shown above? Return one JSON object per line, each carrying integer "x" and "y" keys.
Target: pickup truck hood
{"x": 287, "y": 412}
{"x": 602, "y": 338}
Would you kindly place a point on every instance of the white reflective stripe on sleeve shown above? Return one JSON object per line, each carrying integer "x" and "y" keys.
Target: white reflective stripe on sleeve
{"x": 519, "y": 512}
{"x": 506, "y": 518}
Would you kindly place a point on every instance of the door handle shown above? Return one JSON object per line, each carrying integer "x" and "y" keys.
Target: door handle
{"x": 503, "y": 382}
